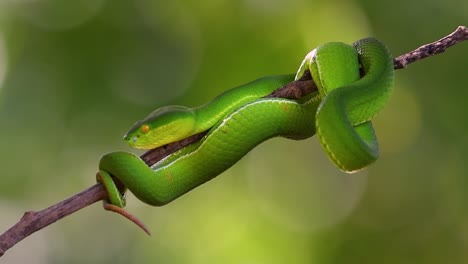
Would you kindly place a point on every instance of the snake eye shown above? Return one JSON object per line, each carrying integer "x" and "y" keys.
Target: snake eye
{"x": 145, "y": 129}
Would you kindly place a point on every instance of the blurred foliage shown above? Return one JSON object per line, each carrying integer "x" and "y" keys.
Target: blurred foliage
{"x": 75, "y": 75}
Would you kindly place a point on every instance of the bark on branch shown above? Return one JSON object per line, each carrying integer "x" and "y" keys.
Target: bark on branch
{"x": 33, "y": 221}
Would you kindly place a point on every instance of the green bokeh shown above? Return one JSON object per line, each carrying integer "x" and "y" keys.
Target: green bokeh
{"x": 75, "y": 76}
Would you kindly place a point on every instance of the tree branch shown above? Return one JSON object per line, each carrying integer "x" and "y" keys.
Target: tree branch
{"x": 33, "y": 221}
{"x": 431, "y": 49}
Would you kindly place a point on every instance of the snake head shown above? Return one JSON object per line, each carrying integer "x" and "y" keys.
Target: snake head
{"x": 163, "y": 126}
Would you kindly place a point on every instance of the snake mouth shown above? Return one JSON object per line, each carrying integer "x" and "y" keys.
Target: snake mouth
{"x": 154, "y": 155}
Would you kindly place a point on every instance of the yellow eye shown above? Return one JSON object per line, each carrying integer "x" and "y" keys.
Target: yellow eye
{"x": 145, "y": 129}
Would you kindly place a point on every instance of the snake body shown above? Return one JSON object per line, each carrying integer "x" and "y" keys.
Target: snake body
{"x": 218, "y": 150}
{"x": 354, "y": 83}
{"x": 173, "y": 123}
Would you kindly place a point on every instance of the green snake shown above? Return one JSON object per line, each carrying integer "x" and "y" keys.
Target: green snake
{"x": 354, "y": 83}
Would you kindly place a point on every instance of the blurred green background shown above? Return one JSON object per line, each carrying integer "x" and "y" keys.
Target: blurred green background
{"x": 75, "y": 75}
